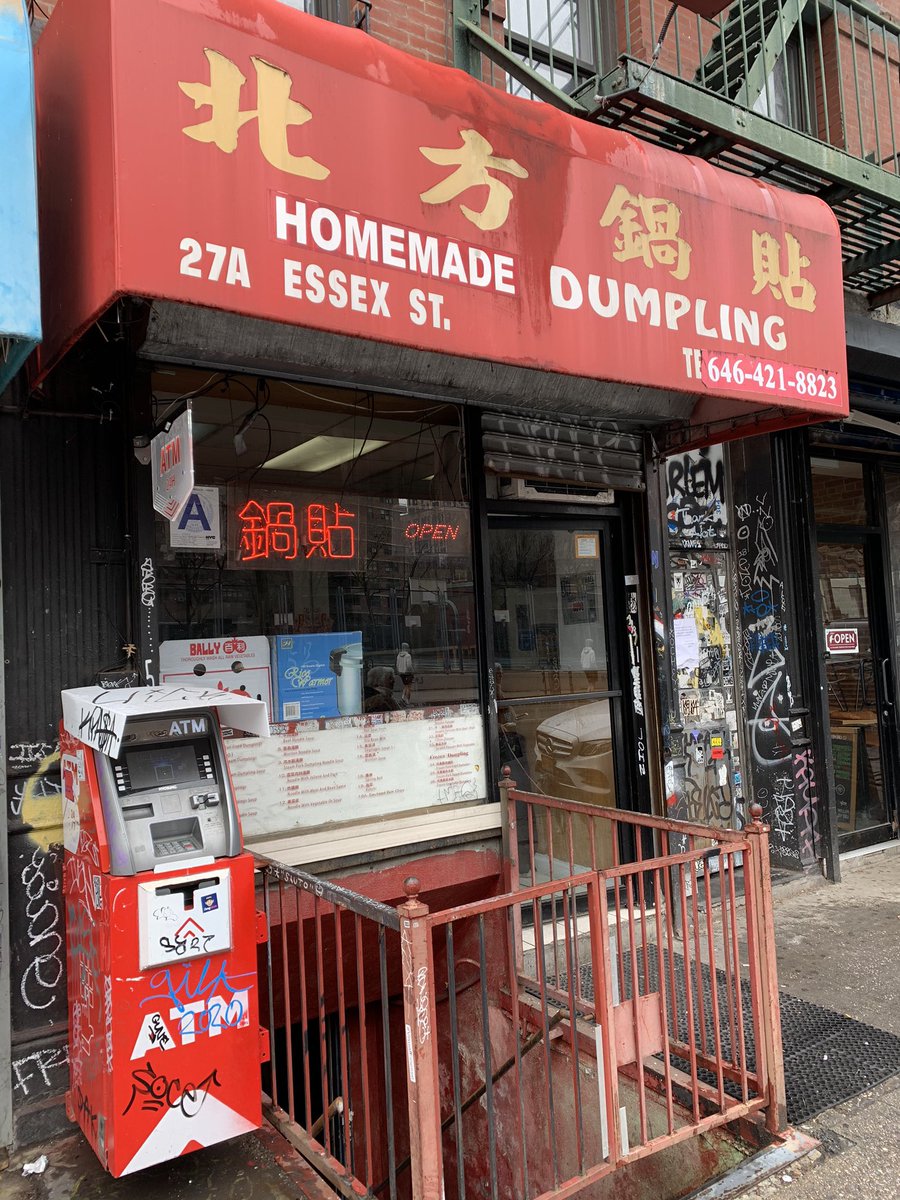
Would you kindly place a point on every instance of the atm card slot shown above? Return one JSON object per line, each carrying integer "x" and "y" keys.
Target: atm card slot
{"x": 137, "y": 812}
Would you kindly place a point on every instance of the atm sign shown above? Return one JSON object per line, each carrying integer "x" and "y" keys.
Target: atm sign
{"x": 842, "y": 641}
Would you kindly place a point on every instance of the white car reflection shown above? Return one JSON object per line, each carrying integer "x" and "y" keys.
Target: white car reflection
{"x": 574, "y": 754}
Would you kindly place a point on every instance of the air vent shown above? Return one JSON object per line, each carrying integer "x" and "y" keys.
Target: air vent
{"x": 553, "y": 490}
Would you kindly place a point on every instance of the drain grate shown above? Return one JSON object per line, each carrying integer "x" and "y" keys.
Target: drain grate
{"x": 829, "y": 1058}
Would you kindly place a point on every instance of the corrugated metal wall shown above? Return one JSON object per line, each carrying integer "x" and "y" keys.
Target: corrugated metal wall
{"x": 62, "y": 489}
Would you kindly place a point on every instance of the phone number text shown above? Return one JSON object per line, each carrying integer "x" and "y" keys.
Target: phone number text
{"x": 740, "y": 373}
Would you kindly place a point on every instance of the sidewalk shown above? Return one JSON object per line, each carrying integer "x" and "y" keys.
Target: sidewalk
{"x": 840, "y": 947}
{"x": 256, "y": 1167}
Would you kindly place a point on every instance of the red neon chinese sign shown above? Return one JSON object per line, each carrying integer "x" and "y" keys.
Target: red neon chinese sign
{"x": 331, "y": 538}
{"x": 269, "y": 532}
{"x": 277, "y": 530}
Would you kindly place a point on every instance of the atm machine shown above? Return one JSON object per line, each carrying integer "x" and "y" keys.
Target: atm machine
{"x": 161, "y": 924}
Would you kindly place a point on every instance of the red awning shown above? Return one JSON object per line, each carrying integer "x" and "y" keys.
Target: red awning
{"x": 240, "y": 156}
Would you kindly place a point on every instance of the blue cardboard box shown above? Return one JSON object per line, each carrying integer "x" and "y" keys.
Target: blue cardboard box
{"x": 304, "y": 683}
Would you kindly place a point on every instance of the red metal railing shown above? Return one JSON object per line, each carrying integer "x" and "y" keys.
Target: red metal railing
{"x": 534, "y": 1041}
{"x": 331, "y": 992}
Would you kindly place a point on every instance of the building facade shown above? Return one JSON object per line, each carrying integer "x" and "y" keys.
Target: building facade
{"x": 461, "y": 501}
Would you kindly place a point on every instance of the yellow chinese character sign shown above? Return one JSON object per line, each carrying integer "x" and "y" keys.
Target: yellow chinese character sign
{"x": 274, "y": 114}
{"x": 474, "y": 160}
{"x": 649, "y": 229}
{"x": 787, "y": 284}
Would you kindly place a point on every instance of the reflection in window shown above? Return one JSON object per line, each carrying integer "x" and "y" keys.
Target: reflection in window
{"x": 549, "y": 634}
{"x": 344, "y": 540}
{"x": 839, "y": 492}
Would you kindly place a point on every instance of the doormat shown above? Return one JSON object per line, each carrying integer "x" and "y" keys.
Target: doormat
{"x": 829, "y": 1058}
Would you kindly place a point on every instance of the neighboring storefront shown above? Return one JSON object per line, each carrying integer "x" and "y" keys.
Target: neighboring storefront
{"x": 855, "y": 484}
{"x": 434, "y": 342}
{"x": 781, "y": 554}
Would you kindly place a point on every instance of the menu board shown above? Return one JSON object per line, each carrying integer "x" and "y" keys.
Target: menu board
{"x": 844, "y": 758}
{"x": 313, "y": 773}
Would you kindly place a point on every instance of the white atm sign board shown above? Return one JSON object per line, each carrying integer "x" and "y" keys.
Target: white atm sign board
{"x": 172, "y": 461}
{"x": 842, "y": 641}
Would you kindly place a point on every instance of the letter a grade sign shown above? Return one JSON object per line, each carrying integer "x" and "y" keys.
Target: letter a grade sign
{"x": 198, "y": 526}
{"x": 172, "y": 463}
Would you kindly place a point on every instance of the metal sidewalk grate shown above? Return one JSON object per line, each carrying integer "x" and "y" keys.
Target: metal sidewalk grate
{"x": 829, "y": 1058}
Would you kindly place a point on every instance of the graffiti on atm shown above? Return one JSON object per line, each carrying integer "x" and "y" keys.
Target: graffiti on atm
{"x": 193, "y": 981}
{"x": 84, "y": 1112}
{"x": 154, "y": 1034}
{"x": 97, "y": 727}
{"x": 187, "y": 941}
{"x": 195, "y": 1019}
{"x": 201, "y": 1001}
{"x": 213, "y": 1016}
{"x": 154, "y": 1092}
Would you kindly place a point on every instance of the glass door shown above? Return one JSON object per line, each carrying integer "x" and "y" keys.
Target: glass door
{"x": 858, "y": 661}
{"x": 555, "y": 674}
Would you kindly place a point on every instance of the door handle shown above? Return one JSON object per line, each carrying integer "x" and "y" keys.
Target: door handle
{"x": 888, "y": 699}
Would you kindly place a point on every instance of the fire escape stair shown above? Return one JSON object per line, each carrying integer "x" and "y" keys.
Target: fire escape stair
{"x": 713, "y": 117}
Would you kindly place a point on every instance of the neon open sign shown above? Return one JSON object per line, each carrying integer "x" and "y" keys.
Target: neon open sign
{"x": 284, "y": 531}
{"x": 427, "y": 532}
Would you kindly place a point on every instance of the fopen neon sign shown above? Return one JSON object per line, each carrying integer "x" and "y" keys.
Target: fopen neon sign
{"x": 279, "y": 530}
{"x": 438, "y": 532}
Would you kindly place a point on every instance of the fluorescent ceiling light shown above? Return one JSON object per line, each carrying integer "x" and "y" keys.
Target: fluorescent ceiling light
{"x": 322, "y": 453}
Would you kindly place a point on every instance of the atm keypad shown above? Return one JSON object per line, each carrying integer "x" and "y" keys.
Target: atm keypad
{"x": 175, "y": 846}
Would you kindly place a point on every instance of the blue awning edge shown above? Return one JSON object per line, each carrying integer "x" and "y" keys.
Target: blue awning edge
{"x": 20, "y": 290}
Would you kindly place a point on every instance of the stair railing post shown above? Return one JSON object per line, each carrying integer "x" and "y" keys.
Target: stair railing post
{"x": 426, "y": 1162}
{"x": 764, "y": 969}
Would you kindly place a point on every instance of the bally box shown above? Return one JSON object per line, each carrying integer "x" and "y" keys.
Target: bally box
{"x": 230, "y": 664}
{"x": 317, "y": 675}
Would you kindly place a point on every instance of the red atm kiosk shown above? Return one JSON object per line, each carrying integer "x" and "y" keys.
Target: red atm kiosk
{"x": 164, "y": 1037}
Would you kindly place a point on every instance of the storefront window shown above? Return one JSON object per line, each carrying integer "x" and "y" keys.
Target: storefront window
{"x": 325, "y": 566}
{"x": 839, "y": 492}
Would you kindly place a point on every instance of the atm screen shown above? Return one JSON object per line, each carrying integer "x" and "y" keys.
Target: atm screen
{"x": 171, "y": 765}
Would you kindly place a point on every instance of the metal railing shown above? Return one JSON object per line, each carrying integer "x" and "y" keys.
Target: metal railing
{"x": 827, "y": 68}
{"x": 331, "y": 992}
{"x": 530, "y": 1043}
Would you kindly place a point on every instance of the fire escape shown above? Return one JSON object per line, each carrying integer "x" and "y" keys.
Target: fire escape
{"x": 804, "y": 94}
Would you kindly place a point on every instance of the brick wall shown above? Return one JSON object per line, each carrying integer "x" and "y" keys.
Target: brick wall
{"x": 420, "y": 27}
